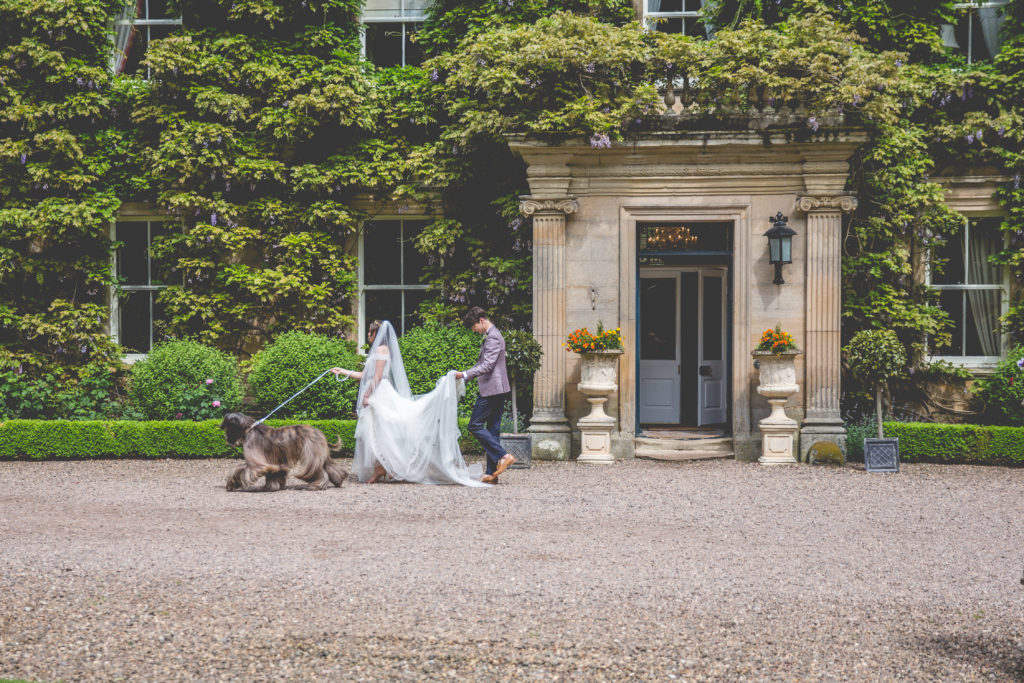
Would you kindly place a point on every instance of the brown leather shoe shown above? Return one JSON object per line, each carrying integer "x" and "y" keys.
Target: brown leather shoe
{"x": 504, "y": 464}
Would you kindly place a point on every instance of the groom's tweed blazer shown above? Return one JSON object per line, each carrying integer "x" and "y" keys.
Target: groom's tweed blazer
{"x": 490, "y": 365}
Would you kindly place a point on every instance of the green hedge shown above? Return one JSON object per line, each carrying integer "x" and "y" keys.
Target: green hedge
{"x": 980, "y": 444}
{"x": 85, "y": 439}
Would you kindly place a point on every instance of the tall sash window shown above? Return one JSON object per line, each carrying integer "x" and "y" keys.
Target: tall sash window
{"x": 391, "y": 278}
{"x": 973, "y": 292}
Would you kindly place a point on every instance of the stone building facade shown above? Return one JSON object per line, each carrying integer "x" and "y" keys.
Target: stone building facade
{"x": 701, "y": 299}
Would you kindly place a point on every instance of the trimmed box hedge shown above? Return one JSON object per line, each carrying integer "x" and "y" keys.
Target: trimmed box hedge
{"x": 94, "y": 439}
{"x": 958, "y": 443}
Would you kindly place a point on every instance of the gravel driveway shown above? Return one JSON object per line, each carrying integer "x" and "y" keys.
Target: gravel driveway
{"x": 717, "y": 570}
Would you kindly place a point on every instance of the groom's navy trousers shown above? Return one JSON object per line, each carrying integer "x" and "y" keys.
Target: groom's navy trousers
{"x": 485, "y": 425}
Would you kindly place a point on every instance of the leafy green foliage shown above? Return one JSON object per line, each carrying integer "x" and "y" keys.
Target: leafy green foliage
{"x": 429, "y": 352}
{"x": 172, "y": 382}
{"x": 294, "y": 360}
{"x": 54, "y": 204}
{"x": 1003, "y": 390}
{"x": 876, "y": 356}
{"x": 523, "y": 355}
{"x": 55, "y": 439}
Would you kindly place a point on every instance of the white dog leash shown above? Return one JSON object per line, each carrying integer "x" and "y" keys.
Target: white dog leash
{"x": 264, "y": 418}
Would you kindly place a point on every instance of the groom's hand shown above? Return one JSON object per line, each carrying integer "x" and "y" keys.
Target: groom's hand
{"x": 458, "y": 375}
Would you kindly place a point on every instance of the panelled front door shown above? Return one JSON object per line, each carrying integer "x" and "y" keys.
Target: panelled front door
{"x": 711, "y": 375}
{"x": 682, "y": 373}
{"x": 659, "y": 379}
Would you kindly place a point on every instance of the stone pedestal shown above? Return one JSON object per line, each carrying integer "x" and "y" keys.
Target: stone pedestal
{"x": 777, "y": 384}
{"x": 598, "y": 375}
{"x": 822, "y": 421}
{"x": 550, "y": 435}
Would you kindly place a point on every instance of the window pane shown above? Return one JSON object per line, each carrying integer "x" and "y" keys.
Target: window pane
{"x": 157, "y": 10}
{"x": 382, "y": 263}
{"x": 693, "y": 5}
{"x": 657, "y": 319}
{"x": 413, "y": 53}
{"x": 134, "y": 49}
{"x": 985, "y": 240}
{"x": 413, "y": 298}
{"x": 159, "y": 273}
{"x": 669, "y": 25}
{"x": 133, "y": 256}
{"x": 383, "y": 305}
{"x": 133, "y": 324}
{"x": 712, "y": 318}
{"x": 414, "y": 261}
{"x": 695, "y": 28}
{"x": 952, "y": 302}
{"x": 664, "y": 5}
{"x": 950, "y": 259}
{"x": 690, "y": 236}
{"x": 386, "y": 9}
{"x": 983, "y": 308}
{"x": 384, "y": 44}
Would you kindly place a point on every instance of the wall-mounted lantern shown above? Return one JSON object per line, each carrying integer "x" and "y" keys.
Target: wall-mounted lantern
{"x": 780, "y": 245}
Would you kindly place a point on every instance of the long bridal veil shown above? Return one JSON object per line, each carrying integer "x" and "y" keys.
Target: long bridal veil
{"x": 415, "y": 438}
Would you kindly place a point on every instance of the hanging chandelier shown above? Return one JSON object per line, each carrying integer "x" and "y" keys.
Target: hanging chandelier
{"x": 670, "y": 239}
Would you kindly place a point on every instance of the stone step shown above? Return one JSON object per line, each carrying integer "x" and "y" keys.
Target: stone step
{"x": 723, "y": 443}
{"x": 681, "y": 456}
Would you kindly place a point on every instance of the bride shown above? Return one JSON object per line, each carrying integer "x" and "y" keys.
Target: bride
{"x": 401, "y": 436}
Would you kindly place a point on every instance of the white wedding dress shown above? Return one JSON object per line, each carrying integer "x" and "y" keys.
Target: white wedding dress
{"x": 415, "y": 438}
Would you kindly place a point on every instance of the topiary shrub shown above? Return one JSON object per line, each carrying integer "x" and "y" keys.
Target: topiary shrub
{"x": 876, "y": 356}
{"x": 431, "y": 351}
{"x": 523, "y": 356}
{"x": 184, "y": 379}
{"x": 292, "y": 361}
{"x": 1003, "y": 391}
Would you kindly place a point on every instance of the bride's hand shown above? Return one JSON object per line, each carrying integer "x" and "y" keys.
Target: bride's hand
{"x": 337, "y": 371}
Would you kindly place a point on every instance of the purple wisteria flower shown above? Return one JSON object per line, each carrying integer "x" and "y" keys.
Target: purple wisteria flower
{"x": 1020, "y": 363}
{"x": 24, "y": 157}
{"x": 600, "y": 141}
{"x": 812, "y": 121}
{"x": 213, "y": 219}
{"x": 434, "y": 75}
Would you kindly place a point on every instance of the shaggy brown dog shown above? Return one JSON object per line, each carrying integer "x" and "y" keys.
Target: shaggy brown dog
{"x": 272, "y": 452}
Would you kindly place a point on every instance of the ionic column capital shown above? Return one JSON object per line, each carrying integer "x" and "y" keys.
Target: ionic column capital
{"x": 811, "y": 204}
{"x": 565, "y": 206}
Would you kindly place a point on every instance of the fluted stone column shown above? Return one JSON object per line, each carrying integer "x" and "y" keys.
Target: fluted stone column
{"x": 549, "y": 428}
{"x": 823, "y": 423}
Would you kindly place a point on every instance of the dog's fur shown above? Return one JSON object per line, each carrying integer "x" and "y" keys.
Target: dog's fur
{"x": 273, "y": 452}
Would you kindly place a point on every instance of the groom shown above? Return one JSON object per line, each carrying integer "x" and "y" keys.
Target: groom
{"x": 485, "y": 423}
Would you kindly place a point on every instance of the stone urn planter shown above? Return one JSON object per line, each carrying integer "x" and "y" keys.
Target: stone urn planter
{"x": 777, "y": 384}
{"x": 598, "y": 379}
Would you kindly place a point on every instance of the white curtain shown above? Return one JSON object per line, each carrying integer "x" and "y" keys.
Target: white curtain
{"x": 991, "y": 19}
{"x": 123, "y": 35}
{"x": 985, "y": 303}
